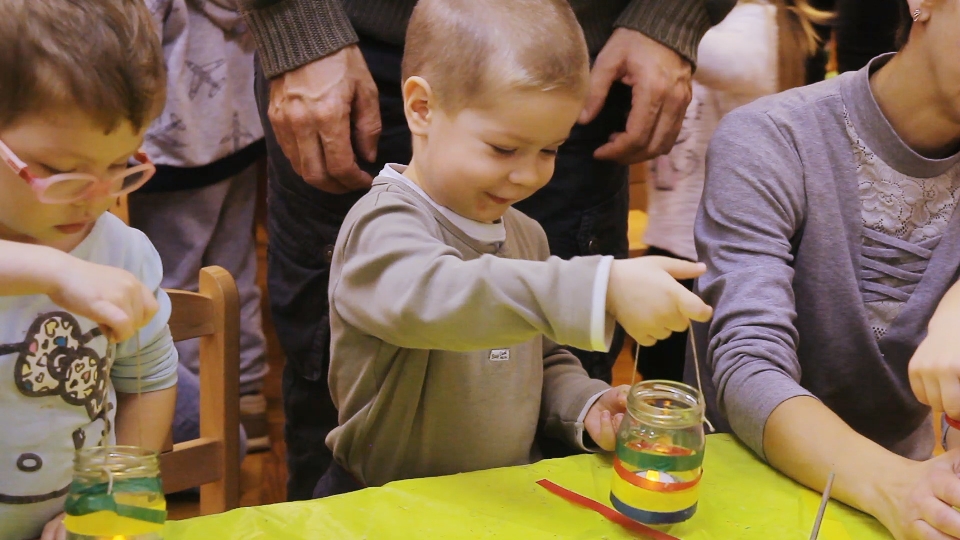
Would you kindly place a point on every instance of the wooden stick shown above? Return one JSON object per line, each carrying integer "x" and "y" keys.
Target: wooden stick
{"x": 823, "y": 507}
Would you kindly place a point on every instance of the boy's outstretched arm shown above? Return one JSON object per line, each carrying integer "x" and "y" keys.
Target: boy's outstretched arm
{"x": 111, "y": 297}
{"x": 394, "y": 279}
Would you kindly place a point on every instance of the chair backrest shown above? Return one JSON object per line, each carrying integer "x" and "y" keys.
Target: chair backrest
{"x": 211, "y": 462}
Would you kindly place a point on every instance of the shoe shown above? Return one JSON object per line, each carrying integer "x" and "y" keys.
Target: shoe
{"x": 253, "y": 416}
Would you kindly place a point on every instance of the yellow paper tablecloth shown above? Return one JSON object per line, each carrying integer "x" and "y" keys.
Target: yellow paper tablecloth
{"x": 741, "y": 498}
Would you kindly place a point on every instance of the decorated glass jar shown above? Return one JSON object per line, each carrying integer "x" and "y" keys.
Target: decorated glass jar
{"x": 115, "y": 494}
{"x": 659, "y": 459}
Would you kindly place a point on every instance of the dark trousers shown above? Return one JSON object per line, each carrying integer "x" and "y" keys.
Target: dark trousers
{"x": 583, "y": 211}
{"x": 666, "y": 358}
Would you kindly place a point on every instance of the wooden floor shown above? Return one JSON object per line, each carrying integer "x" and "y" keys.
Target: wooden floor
{"x": 263, "y": 475}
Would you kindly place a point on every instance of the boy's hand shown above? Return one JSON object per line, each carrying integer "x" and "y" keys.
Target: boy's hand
{"x": 54, "y": 530}
{"x": 603, "y": 418}
{"x": 645, "y": 298}
{"x": 111, "y": 297}
{"x": 935, "y": 370}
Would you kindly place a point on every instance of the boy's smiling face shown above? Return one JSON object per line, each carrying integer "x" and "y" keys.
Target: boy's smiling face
{"x": 51, "y": 144}
{"x": 482, "y": 160}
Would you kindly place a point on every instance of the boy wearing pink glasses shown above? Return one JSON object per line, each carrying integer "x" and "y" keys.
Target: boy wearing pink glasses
{"x": 82, "y": 316}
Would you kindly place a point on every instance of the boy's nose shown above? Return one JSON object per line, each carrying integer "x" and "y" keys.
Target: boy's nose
{"x": 528, "y": 175}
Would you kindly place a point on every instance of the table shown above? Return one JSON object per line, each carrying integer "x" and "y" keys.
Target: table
{"x": 741, "y": 498}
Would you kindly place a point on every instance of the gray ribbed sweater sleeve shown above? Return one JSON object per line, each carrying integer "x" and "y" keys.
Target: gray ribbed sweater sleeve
{"x": 678, "y": 24}
{"x": 292, "y": 33}
{"x": 753, "y": 203}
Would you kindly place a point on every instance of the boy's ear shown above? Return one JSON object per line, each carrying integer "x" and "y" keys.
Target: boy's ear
{"x": 418, "y": 104}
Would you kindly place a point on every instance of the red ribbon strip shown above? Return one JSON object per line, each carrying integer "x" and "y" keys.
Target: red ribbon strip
{"x": 652, "y": 485}
{"x": 955, "y": 424}
{"x": 604, "y": 511}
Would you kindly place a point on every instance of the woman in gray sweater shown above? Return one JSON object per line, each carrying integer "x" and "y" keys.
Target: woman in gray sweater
{"x": 828, "y": 229}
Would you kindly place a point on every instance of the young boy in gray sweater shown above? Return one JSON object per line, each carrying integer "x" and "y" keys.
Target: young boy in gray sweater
{"x": 446, "y": 309}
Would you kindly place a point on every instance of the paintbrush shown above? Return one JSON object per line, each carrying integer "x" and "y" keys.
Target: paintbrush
{"x": 823, "y": 507}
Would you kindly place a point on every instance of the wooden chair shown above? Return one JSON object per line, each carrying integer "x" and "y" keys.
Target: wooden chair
{"x": 211, "y": 462}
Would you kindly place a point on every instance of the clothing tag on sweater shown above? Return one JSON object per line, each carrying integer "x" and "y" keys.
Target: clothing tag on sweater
{"x": 499, "y": 355}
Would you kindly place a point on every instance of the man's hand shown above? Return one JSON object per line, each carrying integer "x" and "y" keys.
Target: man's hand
{"x": 661, "y": 83}
{"x": 324, "y": 114}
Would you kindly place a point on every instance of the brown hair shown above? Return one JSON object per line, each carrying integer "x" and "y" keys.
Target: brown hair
{"x": 798, "y": 39}
{"x": 906, "y": 24}
{"x": 100, "y": 56}
{"x": 467, "y": 48}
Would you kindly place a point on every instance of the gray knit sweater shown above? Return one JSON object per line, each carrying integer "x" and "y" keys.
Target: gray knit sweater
{"x": 291, "y": 33}
{"x": 791, "y": 264}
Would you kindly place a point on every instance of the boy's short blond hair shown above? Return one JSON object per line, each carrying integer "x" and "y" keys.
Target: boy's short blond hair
{"x": 102, "y": 57}
{"x": 468, "y": 50}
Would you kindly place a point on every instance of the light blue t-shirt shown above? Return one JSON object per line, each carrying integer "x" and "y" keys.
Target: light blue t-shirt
{"x": 59, "y": 377}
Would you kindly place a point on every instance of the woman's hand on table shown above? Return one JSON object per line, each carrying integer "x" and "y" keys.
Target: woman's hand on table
{"x": 603, "y": 418}
{"x": 917, "y": 502}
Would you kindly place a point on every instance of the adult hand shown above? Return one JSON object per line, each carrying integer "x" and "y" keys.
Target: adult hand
{"x": 324, "y": 114}
{"x": 661, "y": 85}
{"x": 603, "y": 419}
{"x": 919, "y": 500}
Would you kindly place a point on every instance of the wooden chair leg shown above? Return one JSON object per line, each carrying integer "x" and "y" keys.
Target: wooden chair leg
{"x": 220, "y": 410}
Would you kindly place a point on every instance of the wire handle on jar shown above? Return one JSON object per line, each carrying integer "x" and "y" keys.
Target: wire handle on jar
{"x": 109, "y": 473}
{"x": 696, "y": 365}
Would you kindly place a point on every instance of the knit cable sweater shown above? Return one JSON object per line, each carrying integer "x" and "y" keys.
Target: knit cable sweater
{"x": 292, "y": 33}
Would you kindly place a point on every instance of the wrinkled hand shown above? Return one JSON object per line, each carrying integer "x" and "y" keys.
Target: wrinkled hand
{"x": 54, "y": 529}
{"x": 604, "y": 417}
{"x": 919, "y": 500}
{"x": 324, "y": 114}
{"x": 645, "y": 298}
{"x": 111, "y": 297}
{"x": 935, "y": 370}
{"x": 661, "y": 84}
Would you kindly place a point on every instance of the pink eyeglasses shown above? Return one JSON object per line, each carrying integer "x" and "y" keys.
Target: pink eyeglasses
{"x": 71, "y": 187}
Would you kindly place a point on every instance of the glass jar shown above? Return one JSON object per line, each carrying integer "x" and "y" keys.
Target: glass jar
{"x": 115, "y": 494}
{"x": 659, "y": 459}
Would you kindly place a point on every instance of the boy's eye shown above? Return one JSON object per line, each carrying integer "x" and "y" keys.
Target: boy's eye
{"x": 503, "y": 151}
{"x": 550, "y": 151}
